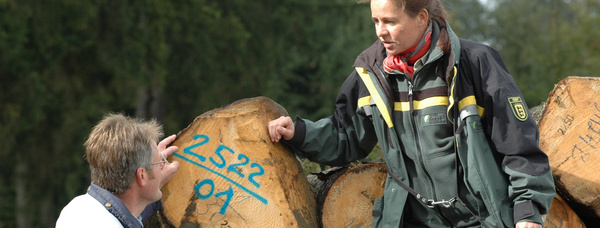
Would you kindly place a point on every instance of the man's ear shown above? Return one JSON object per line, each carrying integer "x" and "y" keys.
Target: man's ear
{"x": 141, "y": 176}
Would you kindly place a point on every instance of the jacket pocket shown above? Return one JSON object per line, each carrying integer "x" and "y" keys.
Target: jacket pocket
{"x": 377, "y": 212}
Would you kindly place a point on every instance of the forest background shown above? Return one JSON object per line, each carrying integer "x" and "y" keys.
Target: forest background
{"x": 66, "y": 63}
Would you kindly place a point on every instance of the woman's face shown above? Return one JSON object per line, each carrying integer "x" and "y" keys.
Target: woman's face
{"x": 395, "y": 28}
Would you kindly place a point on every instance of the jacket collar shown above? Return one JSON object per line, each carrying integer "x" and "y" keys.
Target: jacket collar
{"x": 376, "y": 53}
{"x": 114, "y": 205}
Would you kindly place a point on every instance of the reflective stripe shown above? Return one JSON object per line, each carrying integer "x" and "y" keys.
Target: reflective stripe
{"x": 470, "y": 110}
{"x": 470, "y": 107}
{"x": 364, "y": 101}
{"x": 422, "y": 104}
{"x": 467, "y": 106}
{"x": 364, "y": 75}
{"x": 451, "y": 98}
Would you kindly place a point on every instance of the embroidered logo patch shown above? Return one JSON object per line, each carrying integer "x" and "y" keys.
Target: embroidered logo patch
{"x": 477, "y": 125}
{"x": 434, "y": 119}
{"x": 518, "y": 108}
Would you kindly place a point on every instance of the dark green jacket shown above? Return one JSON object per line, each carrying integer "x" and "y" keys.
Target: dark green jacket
{"x": 500, "y": 173}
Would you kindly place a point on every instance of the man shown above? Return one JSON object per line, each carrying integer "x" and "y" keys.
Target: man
{"x": 128, "y": 169}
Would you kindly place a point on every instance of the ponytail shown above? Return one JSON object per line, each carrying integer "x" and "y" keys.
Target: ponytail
{"x": 438, "y": 13}
{"x": 444, "y": 39}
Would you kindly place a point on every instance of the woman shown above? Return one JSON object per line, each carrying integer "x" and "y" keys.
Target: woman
{"x": 459, "y": 145}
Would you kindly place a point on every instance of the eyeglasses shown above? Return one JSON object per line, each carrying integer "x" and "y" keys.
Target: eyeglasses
{"x": 160, "y": 163}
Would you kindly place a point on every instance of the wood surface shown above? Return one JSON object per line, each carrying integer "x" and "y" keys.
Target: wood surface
{"x": 232, "y": 175}
{"x": 345, "y": 195}
{"x": 570, "y": 135}
{"x": 562, "y": 216}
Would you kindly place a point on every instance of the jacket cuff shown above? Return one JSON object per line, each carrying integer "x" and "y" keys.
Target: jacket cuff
{"x": 526, "y": 212}
{"x": 299, "y": 133}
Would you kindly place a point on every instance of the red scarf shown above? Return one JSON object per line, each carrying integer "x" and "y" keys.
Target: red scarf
{"x": 404, "y": 62}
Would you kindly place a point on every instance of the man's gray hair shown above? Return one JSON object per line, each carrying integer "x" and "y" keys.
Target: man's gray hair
{"x": 117, "y": 147}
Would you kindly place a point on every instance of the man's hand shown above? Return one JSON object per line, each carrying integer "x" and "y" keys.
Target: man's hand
{"x": 281, "y": 127}
{"x": 528, "y": 225}
{"x": 171, "y": 167}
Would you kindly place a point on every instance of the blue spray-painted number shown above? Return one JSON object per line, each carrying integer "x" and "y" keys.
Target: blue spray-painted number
{"x": 245, "y": 162}
{"x": 228, "y": 193}
{"x": 220, "y": 162}
{"x": 223, "y": 163}
{"x": 188, "y": 150}
{"x": 205, "y": 182}
{"x": 260, "y": 172}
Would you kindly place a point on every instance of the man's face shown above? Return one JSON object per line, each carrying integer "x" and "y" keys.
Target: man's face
{"x": 153, "y": 187}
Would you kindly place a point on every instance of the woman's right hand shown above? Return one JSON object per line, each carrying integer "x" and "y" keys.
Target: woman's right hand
{"x": 281, "y": 127}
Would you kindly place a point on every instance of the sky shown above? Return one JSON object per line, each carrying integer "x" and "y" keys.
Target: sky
{"x": 488, "y": 3}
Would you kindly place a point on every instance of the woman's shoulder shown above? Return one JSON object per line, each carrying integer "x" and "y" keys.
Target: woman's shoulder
{"x": 371, "y": 55}
{"x": 472, "y": 47}
{"x": 476, "y": 51}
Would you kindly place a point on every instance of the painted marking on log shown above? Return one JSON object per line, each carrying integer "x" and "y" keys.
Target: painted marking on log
{"x": 220, "y": 162}
{"x": 262, "y": 199}
{"x": 589, "y": 140}
{"x": 550, "y": 223}
{"x": 568, "y": 121}
{"x": 350, "y": 223}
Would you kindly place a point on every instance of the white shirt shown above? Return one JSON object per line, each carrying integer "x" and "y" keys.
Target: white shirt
{"x": 85, "y": 211}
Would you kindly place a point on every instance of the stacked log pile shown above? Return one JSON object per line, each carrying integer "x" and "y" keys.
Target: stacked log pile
{"x": 570, "y": 135}
{"x": 231, "y": 175}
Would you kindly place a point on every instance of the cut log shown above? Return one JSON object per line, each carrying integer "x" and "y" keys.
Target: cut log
{"x": 570, "y": 135}
{"x": 232, "y": 175}
{"x": 562, "y": 216}
{"x": 345, "y": 195}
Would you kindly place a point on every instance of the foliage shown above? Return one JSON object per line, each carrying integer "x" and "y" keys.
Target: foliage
{"x": 66, "y": 63}
{"x": 542, "y": 45}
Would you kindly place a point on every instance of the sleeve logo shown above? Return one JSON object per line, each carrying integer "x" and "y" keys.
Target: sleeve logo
{"x": 518, "y": 108}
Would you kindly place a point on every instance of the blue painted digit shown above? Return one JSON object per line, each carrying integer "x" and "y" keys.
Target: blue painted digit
{"x": 199, "y": 185}
{"x": 245, "y": 162}
{"x": 188, "y": 150}
{"x": 260, "y": 172}
{"x": 254, "y": 194}
{"x": 229, "y": 195}
{"x": 218, "y": 153}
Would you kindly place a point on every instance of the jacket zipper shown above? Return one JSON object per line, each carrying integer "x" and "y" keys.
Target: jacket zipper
{"x": 417, "y": 140}
{"x": 418, "y": 147}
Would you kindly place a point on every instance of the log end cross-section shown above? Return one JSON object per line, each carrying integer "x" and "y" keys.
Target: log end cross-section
{"x": 232, "y": 175}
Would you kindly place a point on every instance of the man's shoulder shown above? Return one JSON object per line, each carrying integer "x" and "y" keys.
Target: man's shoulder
{"x": 85, "y": 211}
